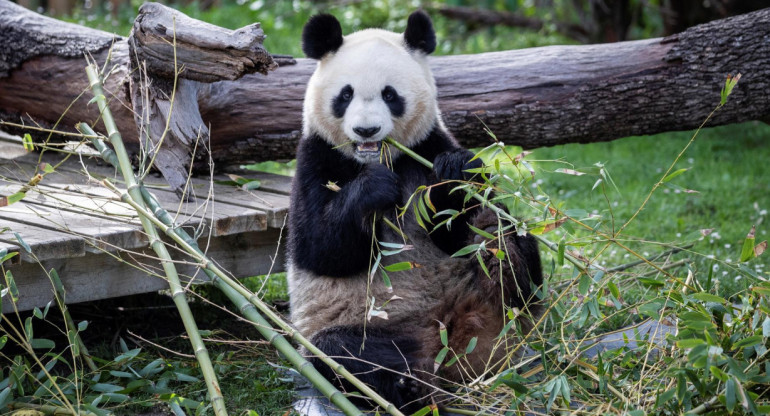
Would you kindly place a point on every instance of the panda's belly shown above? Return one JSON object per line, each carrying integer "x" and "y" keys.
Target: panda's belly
{"x": 319, "y": 302}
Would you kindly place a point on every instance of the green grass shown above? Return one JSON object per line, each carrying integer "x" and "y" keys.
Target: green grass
{"x": 726, "y": 166}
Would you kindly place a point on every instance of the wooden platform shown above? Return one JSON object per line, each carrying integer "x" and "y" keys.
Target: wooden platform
{"x": 73, "y": 224}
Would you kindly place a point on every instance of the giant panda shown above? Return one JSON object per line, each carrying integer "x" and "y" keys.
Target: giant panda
{"x": 367, "y": 86}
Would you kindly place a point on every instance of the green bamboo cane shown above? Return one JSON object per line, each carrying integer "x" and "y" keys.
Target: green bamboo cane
{"x": 240, "y": 294}
{"x": 177, "y": 291}
{"x": 242, "y": 302}
{"x": 222, "y": 280}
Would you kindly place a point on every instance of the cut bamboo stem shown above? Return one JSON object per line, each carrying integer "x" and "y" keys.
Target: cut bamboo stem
{"x": 222, "y": 280}
{"x": 177, "y": 291}
{"x": 247, "y": 303}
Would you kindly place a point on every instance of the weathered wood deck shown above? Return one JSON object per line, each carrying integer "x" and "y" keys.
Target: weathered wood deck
{"x": 96, "y": 244}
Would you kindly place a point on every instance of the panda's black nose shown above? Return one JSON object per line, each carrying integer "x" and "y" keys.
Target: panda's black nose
{"x": 366, "y": 131}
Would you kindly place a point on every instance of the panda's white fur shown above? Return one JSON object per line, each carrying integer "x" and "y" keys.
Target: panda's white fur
{"x": 332, "y": 231}
{"x": 360, "y": 61}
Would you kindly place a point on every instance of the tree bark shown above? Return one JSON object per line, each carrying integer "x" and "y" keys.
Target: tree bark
{"x": 532, "y": 97}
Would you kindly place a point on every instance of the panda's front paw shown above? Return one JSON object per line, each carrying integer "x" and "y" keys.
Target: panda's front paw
{"x": 380, "y": 190}
{"x": 451, "y": 165}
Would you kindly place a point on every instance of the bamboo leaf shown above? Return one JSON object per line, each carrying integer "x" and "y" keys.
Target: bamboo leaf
{"x": 386, "y": 281}
{"x": 748, "y": 342}
{"x": 42, "y": 343}
{"x": 708, "y": 297}
{"x": 443, "y": 334}
{"x": 5, "y": 255}
{"x": 505, "y": 329}
{"x": 440, "y": 358}
{"x": 24, "y": 245}
{"x": 401, "y": 266}
{"x": 689, "y": 343}
{"x": 482, "y": 233}
{"x": 466, "y": 250}
{"x": 481, "y": 263}
{"x": 471, "y": 345}
{"x": 727, "y": 89}
{"x": 569, "y": 172}
{"x": 5, "y": 397}
{"x": 10, "y": 284}
{"x": 548, "y": 226}
{"x": 422, "y": 412}
{"x": 747, "y": 252}
{"x": 730, "y": 395}
{"x": 26, "y": 141}
{"x": 391, "y": 245}
{"x": 674, "y": 174}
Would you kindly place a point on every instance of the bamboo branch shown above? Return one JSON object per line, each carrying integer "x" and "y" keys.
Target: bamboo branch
{"x": 177, "y": 291}
{"x": 231, "y": 287}
{"x": 497, "y": 210}
{"x": 246, "y": 302}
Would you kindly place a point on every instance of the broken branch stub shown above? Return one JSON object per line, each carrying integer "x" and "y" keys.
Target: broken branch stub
{"x": 204, "y": 52}
{"x": 165, "y": 43}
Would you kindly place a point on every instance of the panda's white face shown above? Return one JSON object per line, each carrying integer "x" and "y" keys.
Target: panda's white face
{"x": 371, "y": 88}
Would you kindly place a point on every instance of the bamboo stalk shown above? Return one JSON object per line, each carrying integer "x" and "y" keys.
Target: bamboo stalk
{"x": 222, "y": 280}
{"x": 177, "y": 291}
{"x": 241, "y": 301}
{"x": 649, "y": 259}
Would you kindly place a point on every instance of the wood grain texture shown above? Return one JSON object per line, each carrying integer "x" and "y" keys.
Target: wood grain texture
{"x": 532, "y": 97}
{"x": 96, "y": 243}
{"x": 207, "y": 53}
{"x": 101, "y": 275}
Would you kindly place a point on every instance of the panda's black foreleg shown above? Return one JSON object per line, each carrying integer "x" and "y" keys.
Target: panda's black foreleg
{"x": 519, "y": 272}
{"x": 388, "y": 363}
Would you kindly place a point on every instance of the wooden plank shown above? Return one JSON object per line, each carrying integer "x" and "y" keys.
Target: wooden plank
{"x": 217, "y": 218}
{"x": 275, "y": 205}
{"x": 45, "y": 244}
{"x": 246, "y": 254}
{"x": 99, "y": 232}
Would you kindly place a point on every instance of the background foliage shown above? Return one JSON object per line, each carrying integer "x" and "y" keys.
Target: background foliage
{"x": 718, "y": 301}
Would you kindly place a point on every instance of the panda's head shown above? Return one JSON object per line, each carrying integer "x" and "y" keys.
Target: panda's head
{"x": 369, "y": 85}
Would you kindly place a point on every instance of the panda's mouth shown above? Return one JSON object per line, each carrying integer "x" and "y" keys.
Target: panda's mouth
{"x": 368, "y": 149}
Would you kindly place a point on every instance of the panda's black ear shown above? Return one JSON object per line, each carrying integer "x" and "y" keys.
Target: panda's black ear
{"x": 419, "y": 34}
{"x": 322, "y": 34}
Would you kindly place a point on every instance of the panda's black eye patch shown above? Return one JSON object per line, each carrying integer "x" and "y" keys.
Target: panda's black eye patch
{"x": 342, "y": 100}
{"x": 395, "y": 102}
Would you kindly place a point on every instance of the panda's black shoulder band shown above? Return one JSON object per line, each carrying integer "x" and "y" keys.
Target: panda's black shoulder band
{"x": 419, "y": 34}
{"x": 322, "y": 34}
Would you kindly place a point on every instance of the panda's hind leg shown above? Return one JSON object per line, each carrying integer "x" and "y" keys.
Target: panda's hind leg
{"x": 389, "y": 363}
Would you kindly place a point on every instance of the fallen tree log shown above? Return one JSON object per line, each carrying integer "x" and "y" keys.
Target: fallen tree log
{"x": 532, "y": 97}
